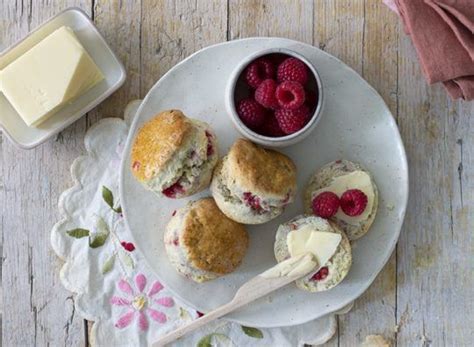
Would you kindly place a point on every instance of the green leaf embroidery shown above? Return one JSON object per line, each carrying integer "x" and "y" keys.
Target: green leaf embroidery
{"x": 109, "y": 264}
{"x": 252, "y": 332}
{"x": 109, "y": 199}
{"x": 183, "y": 314}
{"x": 206, "y": 340}
{"x": 78, "y": 233}
{"x": 100, "y": 236}
{"x": 127, "y": 260}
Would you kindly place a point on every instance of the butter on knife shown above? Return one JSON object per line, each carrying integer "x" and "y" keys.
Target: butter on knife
{"x": 51, "y": 74}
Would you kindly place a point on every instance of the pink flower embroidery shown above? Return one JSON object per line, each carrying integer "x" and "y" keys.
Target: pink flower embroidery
{"x": 140, "y": 303}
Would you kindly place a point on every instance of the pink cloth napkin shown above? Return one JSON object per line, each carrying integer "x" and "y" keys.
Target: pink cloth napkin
{"x": 443, "y": 34}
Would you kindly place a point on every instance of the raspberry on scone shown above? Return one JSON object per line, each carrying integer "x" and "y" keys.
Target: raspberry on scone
{"x": 251, "y": 113}
{"x": 325, "y": 205}
{"x": 353, "y": 202}
{"x": 265, "y": 94}
{"x": 258, "y": 71}
{"x": 291, "y": 121}
{"x": 292, "y": 69}
{"x": 290, "y": 95}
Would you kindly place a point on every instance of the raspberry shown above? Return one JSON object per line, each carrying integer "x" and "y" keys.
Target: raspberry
{"x": 173, "y": 190}
{"x": 271, "y": 128}
{"x": 265, "y": 94}
{"x": 353, "y": 202}
{"x": 290, "y": 95}
{"x": 210, "y": 148}
{"x": 326, "y": 204}
{"x": 252, "y": 201}
{"x": 293, "y": 69}
{"x": 321, "y": 274}
{"x": 291, "y": 121}
{"x": 128, "y": 246}
{"x": 251, "y": 113}
{"x": 258, "y": 71}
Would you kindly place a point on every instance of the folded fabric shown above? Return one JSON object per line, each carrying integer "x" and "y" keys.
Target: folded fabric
{"x": 443, "y": 34}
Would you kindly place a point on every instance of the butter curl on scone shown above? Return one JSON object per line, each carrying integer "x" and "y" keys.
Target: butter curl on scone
{"x": 252, "y": 185}
{"x": 334, "y": 270}
{"x": 339, "y": 176}
{"x": 173, "y": 155}
{"x": 202, "y": 243}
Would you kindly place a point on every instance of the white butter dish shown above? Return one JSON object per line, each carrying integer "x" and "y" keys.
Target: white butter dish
{"x": 13, "y": 125}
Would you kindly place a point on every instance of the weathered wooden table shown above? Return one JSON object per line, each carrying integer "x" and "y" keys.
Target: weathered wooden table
{"x": 424, "y": 296}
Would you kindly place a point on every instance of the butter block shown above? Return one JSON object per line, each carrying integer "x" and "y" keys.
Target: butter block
{"x": 51, "y": 74}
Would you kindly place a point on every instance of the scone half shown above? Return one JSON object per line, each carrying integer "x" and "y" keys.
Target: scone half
{"x": 202, "y": 243}
{"x": 252, "y": 185}
{"x": 173, "y": 155}
{"x": 349, "y": 175}
{"x": 334, "y": 270}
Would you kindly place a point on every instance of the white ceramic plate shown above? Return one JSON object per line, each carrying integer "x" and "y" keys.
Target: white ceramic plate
{"x": 114, "y": 72}
{"x": 356, "y": 125}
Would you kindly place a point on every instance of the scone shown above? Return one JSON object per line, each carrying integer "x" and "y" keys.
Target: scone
{"x": 334, "y": 270}
{"x": 202, "y": 243}
{"x": 173, "y": 155}
{"x": 252, "y": 185}
{"x": 339, "y": 177}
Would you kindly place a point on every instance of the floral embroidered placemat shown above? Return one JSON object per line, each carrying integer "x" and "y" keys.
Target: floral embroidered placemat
{"x": 114, "y": 287}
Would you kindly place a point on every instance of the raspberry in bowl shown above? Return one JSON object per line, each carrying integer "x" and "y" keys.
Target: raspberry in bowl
{"x": 275, "y": 97}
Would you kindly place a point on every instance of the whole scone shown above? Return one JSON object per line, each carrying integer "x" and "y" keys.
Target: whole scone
{"x": 333, "y": 271}
{"x": 202, "y": 243}
{"x": 321, "y": 181}
{"x": 252, "y": 185}
{"x": 174, "y": 155}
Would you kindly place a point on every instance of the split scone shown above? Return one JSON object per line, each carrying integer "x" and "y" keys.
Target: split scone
{"x": 174, "y": 155}
{"x": 325, "y": 240}
{"x": 252, "y": 185}
{"x": 345, "y": 193}
{"x": 202, "y": 243}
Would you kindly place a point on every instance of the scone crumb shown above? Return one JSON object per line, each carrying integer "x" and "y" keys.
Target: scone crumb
{"x": 375, "y": 341}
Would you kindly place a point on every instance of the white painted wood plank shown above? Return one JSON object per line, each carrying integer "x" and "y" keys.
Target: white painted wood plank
{"x": 435, "y": 270}
{"x": 37, "y": 310}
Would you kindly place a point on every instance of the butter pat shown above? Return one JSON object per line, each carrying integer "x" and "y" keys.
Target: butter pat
{"x": 51, "y": 74}
{"x": 354, "y": 180}
{"x": 322, "y": 244}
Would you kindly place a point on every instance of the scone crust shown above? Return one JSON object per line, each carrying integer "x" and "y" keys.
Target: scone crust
{"x": 214, "y": 242}
{"x": 252, "y": 166}
{"x": 157, "y": 141}
{"x": 323, "y": 177}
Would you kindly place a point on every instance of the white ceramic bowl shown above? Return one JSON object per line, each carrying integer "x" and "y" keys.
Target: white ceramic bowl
{"x": 11, "y": 123}
{"x": 281, "y": 141}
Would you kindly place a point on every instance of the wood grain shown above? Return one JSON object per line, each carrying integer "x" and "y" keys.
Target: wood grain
{"x": 435, "y": 298}
{"x": 425, "y": 289}
{"x": 373, "y": 32}
{"x": 37, "y": 310}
